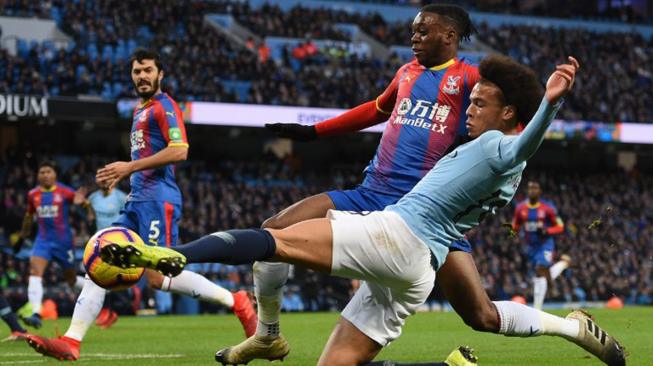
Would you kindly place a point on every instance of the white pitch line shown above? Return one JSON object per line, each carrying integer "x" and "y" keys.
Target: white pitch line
{"x": 20, "y": 362}
{"x": 90, "y": 357}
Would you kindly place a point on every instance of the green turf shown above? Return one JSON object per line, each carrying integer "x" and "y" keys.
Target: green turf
{"x": 192, "y": 340}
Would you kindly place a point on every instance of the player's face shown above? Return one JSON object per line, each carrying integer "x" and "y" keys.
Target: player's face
{"x": 429, "y": 38}
{"x": 47, "y": 176}
{"x": 534, "y": 191}
{"x": 147, "y": 78}
{"x": 104, "y": 185}
{"x": 486, "y": 110}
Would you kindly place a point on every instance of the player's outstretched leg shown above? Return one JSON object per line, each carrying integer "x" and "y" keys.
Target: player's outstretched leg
{"x": 596, "y": 340}
{"x": 255, "y": 347}
{"x": 126, "y": 255}
{"x": 461, "y": 356}
{"x": 517, "y": 320}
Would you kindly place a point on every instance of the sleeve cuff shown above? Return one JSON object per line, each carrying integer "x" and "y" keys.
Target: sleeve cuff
{"x": 178, "y": 144}
{"x": 378, "y": 108}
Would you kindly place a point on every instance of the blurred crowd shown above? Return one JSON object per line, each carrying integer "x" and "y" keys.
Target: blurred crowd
{"x": 608, "y": 221}
{"x": 201, "y": 64}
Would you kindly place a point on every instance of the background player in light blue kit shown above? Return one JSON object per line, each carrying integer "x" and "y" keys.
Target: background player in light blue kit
{"x": 398, "y": 250}
{"x": 106, "y": 205}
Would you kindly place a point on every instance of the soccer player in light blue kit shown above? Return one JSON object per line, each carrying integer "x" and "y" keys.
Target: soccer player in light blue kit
{"x": 106, "y": 205}
{"x": 398, "y": 251}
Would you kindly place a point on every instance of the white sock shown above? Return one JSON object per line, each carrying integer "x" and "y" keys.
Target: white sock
{"x": 79, "y": 283}
{"x": 88, "y": 306}
{"x": 35, "y": 293}
{"x": 198, "y": 287}
{"x": 269, "y": 280}
{"x": 557, "y": 269}
{"x": 539, "y": 292}
{"x": 519, "y": 320}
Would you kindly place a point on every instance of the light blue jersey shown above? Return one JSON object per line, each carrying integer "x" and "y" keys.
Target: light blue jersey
{"x": 107, "y": 208}
{"x": 470, "y": 182}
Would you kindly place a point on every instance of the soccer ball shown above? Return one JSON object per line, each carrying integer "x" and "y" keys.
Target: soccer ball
{"x": 103, "y": 274}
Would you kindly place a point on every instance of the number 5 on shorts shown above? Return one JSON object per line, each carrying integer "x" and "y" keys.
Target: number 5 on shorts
{"x": 153, "y": 236}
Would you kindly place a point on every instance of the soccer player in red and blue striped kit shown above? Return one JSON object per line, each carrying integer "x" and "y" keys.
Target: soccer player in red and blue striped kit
{"x": 50, "y": 204}
{"x": 425, "y": 106}
{"x": 541, "y": 222}
{"x": 153, "y": 208}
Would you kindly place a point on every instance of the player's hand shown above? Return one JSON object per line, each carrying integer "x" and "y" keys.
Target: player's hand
{"x": 80, "y": 196}
{"x": 293, "y": 131}
{"x": 112, "y": 174}
{"x": 561, "y": 81}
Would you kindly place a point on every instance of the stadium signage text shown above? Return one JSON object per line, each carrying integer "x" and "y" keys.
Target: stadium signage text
{"x": 19, "y": 106}
{"x": 419, "y": 113}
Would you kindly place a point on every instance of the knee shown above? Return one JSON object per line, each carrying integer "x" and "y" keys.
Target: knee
{"x": 485, "y": 319}
{"x": 344, "y": 360}
{"x": 35, "y": 271}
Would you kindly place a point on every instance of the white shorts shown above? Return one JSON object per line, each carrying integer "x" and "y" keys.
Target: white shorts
{"x": 379, "y": 248}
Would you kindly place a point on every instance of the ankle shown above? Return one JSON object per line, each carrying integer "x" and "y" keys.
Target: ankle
{"x": 72, "y": 341}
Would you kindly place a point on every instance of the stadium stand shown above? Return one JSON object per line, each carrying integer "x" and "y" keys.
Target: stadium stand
{"x": 216, "y": 69}
{"x": 613, "y": 258}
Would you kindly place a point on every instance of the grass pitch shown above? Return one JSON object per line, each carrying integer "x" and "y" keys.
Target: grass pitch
{"x": 427, "y": 337}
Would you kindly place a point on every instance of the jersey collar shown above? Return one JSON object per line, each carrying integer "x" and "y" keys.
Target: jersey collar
{"x": 51, "y": 189}
{"x": 536, "y": 205}
{"x": 444, "y": 65}
{"x": 147, "y": 102}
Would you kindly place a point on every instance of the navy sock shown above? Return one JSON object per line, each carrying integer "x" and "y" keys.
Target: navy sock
{"x": 9, "y": 316}
{"x": 230, "y": 247}
{"x": 391, "y": 363}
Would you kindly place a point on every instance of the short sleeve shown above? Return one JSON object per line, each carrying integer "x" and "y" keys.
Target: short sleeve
{"x": 171, "y": 123}
{"x": 31, "y": 208}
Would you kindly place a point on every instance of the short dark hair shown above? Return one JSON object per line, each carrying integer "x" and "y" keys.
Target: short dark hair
{"x": 458, "y": 17}
{"x": 141, "y": 54}
{"x": 519, "y": 84}
{"x": 49, "y": 164}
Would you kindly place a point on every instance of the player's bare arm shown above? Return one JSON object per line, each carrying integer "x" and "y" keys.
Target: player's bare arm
{"x": 26, "y": 228}
{"x": 114, "y": 172}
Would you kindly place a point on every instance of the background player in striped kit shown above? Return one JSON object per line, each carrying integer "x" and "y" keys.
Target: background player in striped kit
{"x": 541, "y": 222}
{"x": 158, "y": 140}
{"x": 50, "y": 204}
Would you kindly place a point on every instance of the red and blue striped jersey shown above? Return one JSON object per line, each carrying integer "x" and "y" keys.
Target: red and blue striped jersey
{"x": 543, "y": 215}
{"x": 51, "y": 207}
{"x": 157, "y": 124}
{"x": 428, "y": 113}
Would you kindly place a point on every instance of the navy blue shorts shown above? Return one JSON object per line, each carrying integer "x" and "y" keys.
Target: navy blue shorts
{"x": 541, "y": 255}
{"x": 154, "y": 221}
{"x": 362, "y": 199}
